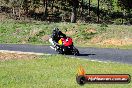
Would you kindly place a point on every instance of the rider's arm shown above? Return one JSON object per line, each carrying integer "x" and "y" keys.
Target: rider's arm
{"x": 62, "y": 34}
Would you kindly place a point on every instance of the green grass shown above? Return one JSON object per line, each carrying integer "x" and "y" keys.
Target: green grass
{"x": 32, "y": 32}
{"x": 56, "y": 71}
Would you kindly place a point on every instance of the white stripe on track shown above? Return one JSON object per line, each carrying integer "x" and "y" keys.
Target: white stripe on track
{"x": 20, "y": 52}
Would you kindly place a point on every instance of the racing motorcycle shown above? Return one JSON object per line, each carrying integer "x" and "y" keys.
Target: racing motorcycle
{"x": 65, "y": 46}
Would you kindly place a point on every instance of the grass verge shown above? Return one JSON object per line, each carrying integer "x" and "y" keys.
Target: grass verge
{"x": 83, "y": 34}
{"x": 56, "y": 71}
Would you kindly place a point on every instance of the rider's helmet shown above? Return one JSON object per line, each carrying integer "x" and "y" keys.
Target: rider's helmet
{"x": 56, "y": 29}
{"x": 55, "y": 32}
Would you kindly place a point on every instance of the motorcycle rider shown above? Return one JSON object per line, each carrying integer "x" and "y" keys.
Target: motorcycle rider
{"x": 61, "y": 42}
{"x": 56, "y": 35}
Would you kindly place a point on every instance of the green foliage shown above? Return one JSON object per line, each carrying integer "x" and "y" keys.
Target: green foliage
{"x": 103, "y": 25}
{"x": 41, "y": 33}
{"x": 102, "y": 28}
{"x": 87, "y": 35}
{"x": 118, "y": 21}
{"x": 33, "y": 39}
{"x": 107, "y": 3}
{"x": 3, "y": 29}
{"x": 125, "y": 4}
{"x": 61, "y": 10}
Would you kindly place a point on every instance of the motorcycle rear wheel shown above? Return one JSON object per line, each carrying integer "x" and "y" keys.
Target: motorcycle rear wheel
{"x": 75, "y": 51}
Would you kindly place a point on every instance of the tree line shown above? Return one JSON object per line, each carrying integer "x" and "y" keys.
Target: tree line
{"x": 67, "y": 10}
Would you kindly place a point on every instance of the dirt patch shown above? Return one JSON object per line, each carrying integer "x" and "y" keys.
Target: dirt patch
{"x": 118, "y": 42}
{"x": 24, "y": 40}
{"x": 17, "y": 31}
{"x": 45, "y": 38}
{"x": 71, "y": 32}
{"x": 7, "y": 56}
{"x": 96, "y": 39}
{"x": 34, "y": 32}
{"x": 3, "y": 17}
{"x": 79, "y": 40}
{"x": 90, "y": 30}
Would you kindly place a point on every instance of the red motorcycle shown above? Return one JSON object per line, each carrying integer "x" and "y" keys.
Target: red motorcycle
{"x": 65, "y": 46}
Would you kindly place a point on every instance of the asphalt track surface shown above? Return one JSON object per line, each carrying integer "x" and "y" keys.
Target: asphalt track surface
{"x": 97, "y": 54}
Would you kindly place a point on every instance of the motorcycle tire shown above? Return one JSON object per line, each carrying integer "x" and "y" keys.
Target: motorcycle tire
{"x": 75, "y": 52}
{"x": 59, "y": 50}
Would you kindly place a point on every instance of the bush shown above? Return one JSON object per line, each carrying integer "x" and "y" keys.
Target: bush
{"x": 118, "y": 21}
{"x": 86, "y": 35}
{"x": 33, "y": 39}
{"x": 41, "y": 33}
{"x": 103, "y": 25}
{"x": 3, "y": 30}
